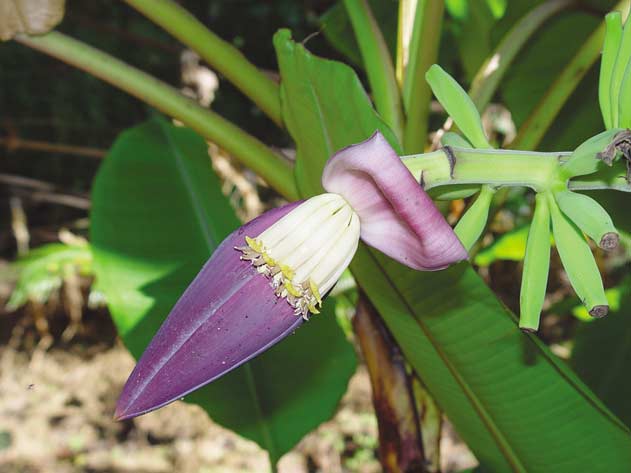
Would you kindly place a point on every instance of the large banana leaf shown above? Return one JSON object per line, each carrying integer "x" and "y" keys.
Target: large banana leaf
{"x": 515, "y": 404}
{"x": 158, "y": 214}
{"x": 328, "y": 91}
{"x": 608, "y": 344}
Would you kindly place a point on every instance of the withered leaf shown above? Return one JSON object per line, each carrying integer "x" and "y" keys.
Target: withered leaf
{"x": 29, "y": 16}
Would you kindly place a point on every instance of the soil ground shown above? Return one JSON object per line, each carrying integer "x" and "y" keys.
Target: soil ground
{"x": 56, "y": 406}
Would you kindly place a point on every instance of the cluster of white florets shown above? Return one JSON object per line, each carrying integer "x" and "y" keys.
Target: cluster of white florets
{"x": 303, "y": 297}
{"x": 304, "y": 253}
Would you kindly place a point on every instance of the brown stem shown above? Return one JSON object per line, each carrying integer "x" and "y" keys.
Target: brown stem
{"x": 400, "y": 440}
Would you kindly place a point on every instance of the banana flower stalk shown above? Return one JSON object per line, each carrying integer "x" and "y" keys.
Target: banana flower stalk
{"x": 268, "y": 277}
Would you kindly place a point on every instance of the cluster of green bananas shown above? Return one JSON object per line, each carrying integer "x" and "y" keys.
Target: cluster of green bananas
{"x": 560, "y": 212}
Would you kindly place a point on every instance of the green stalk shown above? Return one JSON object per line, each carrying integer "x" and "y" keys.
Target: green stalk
{"x": 488, "y": 77}
{"x": 250, "y": 151}
{"x": 219, "y": 54}
{"x": 378, "y": 64}
{"x": 533, "y": 130}
{"x": 423, "y": 52}
{"x": 453, "y": 165}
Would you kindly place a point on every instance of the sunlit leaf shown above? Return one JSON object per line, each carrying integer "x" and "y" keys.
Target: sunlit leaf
{"x": 510, "y": 246}
{"x": 41, "y": 271}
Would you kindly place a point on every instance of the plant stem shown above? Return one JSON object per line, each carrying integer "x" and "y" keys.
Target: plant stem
{"x": 378, "y": 64}
{"x": 533, "y": 130}
{"x": 405, "y": 28}
{"x": 246, "y": 148}
{"x": 497, "y": 168}
{"x": 423, "y": 52}
{"x": 219, "y": 54}
{"x": 490, "y": 74}
{"x": 393, "y": 398}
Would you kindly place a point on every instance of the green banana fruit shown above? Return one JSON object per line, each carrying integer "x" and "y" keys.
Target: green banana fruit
{"x": 624, "y": 96}
{"x": 472, "y": 223}
{"x": 618, "y": 73}
{"x": 613, "y": 37}
{"x": 590, "y": 217}
{"x": 453, "y": 191}
{"x": 458, "y": 105}
{"x": 578, "y": 261}
{"x": 534, "y": 278}
{"x": 586, "y": 158}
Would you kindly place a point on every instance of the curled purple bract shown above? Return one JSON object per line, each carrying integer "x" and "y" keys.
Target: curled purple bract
{"x": 396, "y": 215}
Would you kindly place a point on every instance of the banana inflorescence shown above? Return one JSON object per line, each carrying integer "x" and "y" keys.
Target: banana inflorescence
{"x": 568, "y": 216}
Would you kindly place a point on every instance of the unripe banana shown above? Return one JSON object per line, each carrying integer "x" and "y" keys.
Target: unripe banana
{"x": 454, "y": 191}
{"x": 473, "y": 222}
{"x": 618, "y": 73}
{"x": 534, "y": 279}
{"x": 585, "y": 159}
{"x": 613, "y": 36}
{"x": 590, "y": 217}
{"x": 578, "y": 261}
{"x": 458, "y": 105}
{"x": 624, "y": 95}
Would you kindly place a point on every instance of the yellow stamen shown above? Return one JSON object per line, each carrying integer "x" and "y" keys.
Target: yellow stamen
{"x": 255, "y": 244}
{"x": 291, "y": 289}
{"x": 316, "y": 293}
{"x": 268, "y": 260}
{"x": 287, "y": 271}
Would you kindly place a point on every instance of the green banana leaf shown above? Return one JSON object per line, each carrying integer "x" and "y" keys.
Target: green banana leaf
{"x": 505, "y": 392}
{"x": 157, "y": 215}
{"x": 608, "y": 344}
{"x": 328, "y": 91}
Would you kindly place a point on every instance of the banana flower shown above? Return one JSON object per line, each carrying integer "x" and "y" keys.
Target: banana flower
{"x": 268, "y": 277}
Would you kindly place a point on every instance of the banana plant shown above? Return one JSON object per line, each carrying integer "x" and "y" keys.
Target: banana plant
{"x": 365, "y": 205}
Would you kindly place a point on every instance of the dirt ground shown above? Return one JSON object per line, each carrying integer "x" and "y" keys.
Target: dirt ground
{"x": 56, "y": 406}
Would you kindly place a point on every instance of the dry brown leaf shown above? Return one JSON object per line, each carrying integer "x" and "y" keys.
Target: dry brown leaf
{"x": 29, "y": 16}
